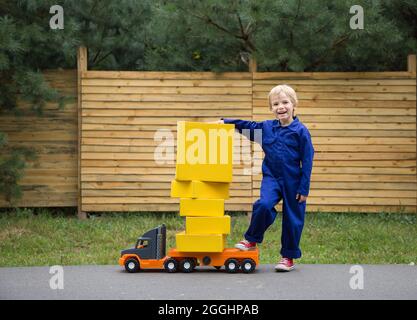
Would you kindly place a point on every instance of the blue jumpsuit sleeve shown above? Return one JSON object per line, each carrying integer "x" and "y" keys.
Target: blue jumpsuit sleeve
{"x": 307, "y": 154}
{"x": 250, "y": 126}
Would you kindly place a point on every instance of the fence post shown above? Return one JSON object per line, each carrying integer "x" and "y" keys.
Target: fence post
{"x": 252, "y": 65}
{"x": 252, "y": 68}
{"x": 411, "y": 63}
{"x": 411, "y": 67}
{"x": 81, "y": 67}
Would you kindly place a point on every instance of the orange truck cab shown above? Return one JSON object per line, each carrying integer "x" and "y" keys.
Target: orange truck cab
{"x": 150, "y": 253}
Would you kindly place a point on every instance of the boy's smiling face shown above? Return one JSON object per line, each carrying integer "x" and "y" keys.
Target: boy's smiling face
{"x": 282, "y": 108}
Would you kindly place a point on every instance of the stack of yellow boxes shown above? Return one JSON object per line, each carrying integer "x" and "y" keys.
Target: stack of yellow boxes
{"x": 202, "y": 179}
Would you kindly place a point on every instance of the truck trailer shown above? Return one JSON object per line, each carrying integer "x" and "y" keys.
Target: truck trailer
{"x": 150, "y": 253}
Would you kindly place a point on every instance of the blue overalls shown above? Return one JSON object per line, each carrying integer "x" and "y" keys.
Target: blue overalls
{"x": 286, "y": 171}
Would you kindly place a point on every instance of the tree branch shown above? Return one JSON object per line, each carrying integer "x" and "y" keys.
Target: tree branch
{"x": 210, "y": 21}
{"x": 334, "y": 46}
{"x": 104, "y": 57}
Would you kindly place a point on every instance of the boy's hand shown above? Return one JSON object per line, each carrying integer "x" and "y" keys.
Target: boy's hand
{"x": 217, "y": 122}
{"x": 301, "y": 198}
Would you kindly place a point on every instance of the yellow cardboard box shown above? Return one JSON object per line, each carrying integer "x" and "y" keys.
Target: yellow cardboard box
{"x": 199, "y": 189}
{"x": 204, "y": 151}
{"x": 200, "y": 242}
{"x": 207, "y": 225}
{"x": 201, "y": 207}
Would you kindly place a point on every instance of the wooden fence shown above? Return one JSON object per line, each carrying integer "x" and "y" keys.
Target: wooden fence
{"x": 363, "y": 126}
{"x": 50, "y": 180}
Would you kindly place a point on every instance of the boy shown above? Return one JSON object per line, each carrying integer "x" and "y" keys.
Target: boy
{"x": 286, "y": 171}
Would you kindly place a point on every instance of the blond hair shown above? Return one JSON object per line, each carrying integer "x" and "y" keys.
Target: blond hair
{"x": 290, "y": 92}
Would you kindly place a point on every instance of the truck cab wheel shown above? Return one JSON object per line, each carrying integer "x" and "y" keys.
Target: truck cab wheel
{"x": 187, "y": 265}
{"x": 171, "y": 265}
{"x": 132, "y": 265}
{"x": 248, "y": 265}
{"x": 231, "y": 265}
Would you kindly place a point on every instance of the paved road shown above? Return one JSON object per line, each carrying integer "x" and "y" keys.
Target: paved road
{"x": 306, "y": 282}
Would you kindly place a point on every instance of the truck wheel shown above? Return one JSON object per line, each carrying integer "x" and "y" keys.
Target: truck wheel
{"x": 231, "y": 265}
{"x": 187, "y": 265}
{"x": 171, "y": 265}
{"x": 248, "y": 265}
{"x": 132, "y": 265}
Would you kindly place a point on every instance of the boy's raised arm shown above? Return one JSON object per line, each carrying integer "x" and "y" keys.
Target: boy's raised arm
{"x": 249, "y": 126}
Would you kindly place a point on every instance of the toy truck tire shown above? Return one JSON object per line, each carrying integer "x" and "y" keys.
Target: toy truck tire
{"x": 231, "y": 265}
{"x": 248, "y": 265}
{"x": 187, "y": 265}
{"x": 132, "y": 265}
{"x": 171, "y": 265}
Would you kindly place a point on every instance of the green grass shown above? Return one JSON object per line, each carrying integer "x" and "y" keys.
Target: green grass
{"x": 39, "y": 237}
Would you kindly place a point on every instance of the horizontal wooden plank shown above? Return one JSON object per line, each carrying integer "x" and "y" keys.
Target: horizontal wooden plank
{"x": 363, "y": 133}
{"x": 235, "y": 186}
{"x": 231, "y": 207}
{"x": 361, "y": 126}
{"x": 265, "y": 88}
{"x": 312, "y": 200}
{"x": 365, "y": 148}
{"x": 27, "y": 203}
{"x": 361, "y": 209}
{"x": 356, "y": 177}
{"x": 175, "y": 90}
{"x": 156, "y": 105}
{"x": 36, "y": 179}
{"x": 60, "y": 172}
{"x": 147, "y": 121}
{"x": 313, "y": 208}
{"x": 164, "y": 113}
{"x": 363, "y": 140}
{"x": 144, "y": 178}
{"x": 350, "y": 118}
{"x": 151, "y": 207}
{"x": 157, "y": 170}
{"x": 112, "y": 82}
{"x": 43, "y": 136}
{"x": 165, "y": 75}
{"x": 337, "y": 82}
{"x": 365, "y": 170}
{"x": 163, "y": 98}
{"x": 161, "y": 200}
{"x": 372, "y": 201}
{"x": 333, "y": 75}
{"x": 369, "y": 163}
{"x": 128, "y": 127}
{"x": 150, "y": 193}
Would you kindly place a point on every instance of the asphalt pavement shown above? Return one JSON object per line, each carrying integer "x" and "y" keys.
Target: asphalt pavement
{"x": 330, "y": 282}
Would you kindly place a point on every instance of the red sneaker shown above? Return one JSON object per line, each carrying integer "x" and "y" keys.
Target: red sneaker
{"x": 245, "y": 245}
{"x": 286, "y": 264}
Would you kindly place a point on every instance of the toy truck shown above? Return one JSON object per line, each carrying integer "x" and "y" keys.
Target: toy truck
{"x": 150, "y": 253}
